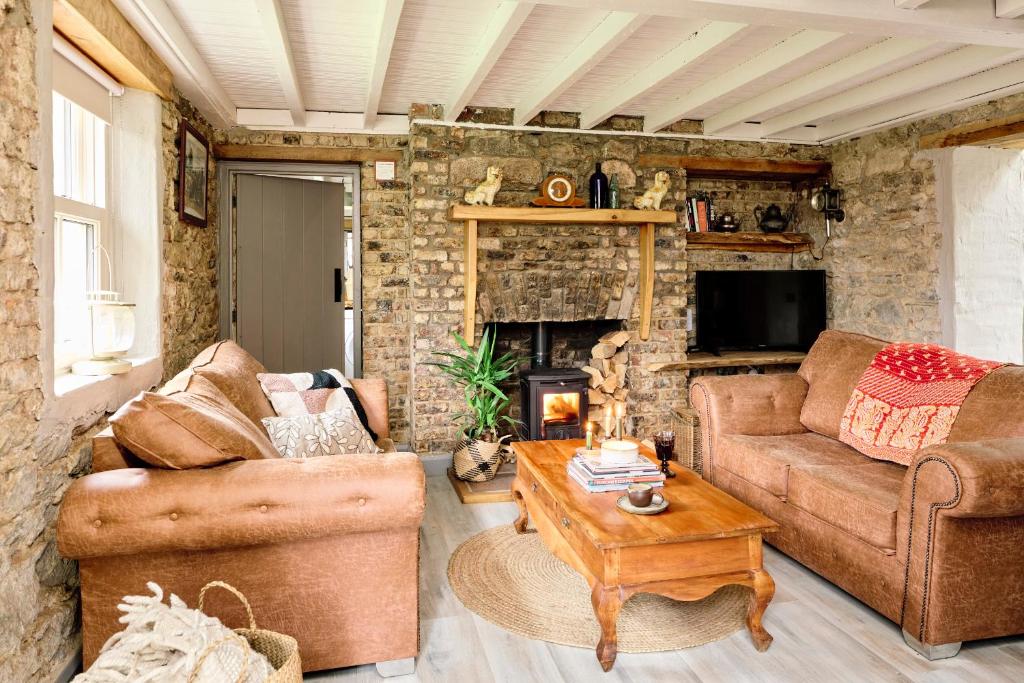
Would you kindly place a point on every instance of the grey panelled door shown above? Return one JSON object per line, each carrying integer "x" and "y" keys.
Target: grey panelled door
{"x": 290, "y": 263}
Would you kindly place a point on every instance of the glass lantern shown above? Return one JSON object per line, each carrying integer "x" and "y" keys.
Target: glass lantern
{"x": 112, "y": 334}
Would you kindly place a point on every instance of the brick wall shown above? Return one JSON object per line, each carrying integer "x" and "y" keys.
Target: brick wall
{"x": 446, "y": 161}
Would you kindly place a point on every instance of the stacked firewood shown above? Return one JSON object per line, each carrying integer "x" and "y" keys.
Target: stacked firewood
{"x": 607, "y": 370}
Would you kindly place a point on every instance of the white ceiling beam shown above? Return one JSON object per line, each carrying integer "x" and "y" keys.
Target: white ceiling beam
{"x": 323, "y": 122}
{"x": 505, "y": 21}
{"x": 702, "y": 42}
{"x": 158, "y": 26}
{"x": 1001, "y": 81}
{"x": 910, "y": 4}
{"x": 953, "y": 22}
{"x": 778, "y": 56}
{"x": 944, "y": 68}
{"x": 391, "y": 12}
{"x": 280, "y": 53}
{"x": 847, "y": 68}
{"x": 609, "y": 34}
{"x": 1009, "y": 9}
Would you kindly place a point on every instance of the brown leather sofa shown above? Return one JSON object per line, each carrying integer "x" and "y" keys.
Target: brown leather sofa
{"x": 326, "y": 549}
{"x": 938, "y": 547}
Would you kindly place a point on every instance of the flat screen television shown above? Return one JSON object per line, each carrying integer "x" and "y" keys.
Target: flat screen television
{"x": 748, "y": 310}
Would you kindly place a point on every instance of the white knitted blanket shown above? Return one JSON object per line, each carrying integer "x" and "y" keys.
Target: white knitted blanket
{"x": 164, "y": 643}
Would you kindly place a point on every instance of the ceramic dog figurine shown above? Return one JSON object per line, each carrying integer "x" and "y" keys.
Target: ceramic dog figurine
{"x": 485, "y": 191}
{"x": 652, "y": 198}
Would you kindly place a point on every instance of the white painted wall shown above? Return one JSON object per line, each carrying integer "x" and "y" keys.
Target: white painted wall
{"x": 981, "y": 199}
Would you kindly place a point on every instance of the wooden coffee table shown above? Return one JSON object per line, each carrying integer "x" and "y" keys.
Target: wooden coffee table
{"x": 706, "y": 539}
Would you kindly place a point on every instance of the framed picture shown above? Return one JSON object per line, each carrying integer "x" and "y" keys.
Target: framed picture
{"x": 193, "y": 170}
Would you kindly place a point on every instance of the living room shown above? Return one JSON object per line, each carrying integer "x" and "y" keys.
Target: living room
{"x": 658, "y": 340}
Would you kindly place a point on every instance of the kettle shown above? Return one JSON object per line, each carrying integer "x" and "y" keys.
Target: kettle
{"x": 772, "y": 219}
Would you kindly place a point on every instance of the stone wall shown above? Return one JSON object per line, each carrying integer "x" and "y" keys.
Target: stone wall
{"x": 384, "y": 252}
{"x": 884, "y": 260}
{"x": 37, "y": 597}
{"x": 189, "y": 307}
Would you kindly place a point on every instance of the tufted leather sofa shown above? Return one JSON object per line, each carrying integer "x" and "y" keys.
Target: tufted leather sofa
{"x": 938, "y": 547}
{"x": 325, "y": 549}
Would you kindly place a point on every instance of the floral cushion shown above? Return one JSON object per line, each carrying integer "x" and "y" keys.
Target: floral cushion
{"x": 334, "y": 432}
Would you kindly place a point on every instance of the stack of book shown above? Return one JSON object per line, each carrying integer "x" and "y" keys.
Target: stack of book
{"x": 596, "y": 477}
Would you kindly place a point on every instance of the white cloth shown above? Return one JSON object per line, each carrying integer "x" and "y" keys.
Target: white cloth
{"x": 163, "y": 643}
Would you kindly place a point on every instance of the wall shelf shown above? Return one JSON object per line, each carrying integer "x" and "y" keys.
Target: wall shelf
{"x": 778, "y": 242}
{"x": 740, "y": 168}
{"x": 472, "y": 215}
{"x": 731, "y": 359}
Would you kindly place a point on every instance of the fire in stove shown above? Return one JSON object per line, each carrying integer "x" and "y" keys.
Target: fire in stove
{"x": 562, "y": 409}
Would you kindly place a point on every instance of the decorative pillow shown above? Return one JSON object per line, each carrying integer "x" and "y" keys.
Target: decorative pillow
{"x": 188, "y": 429}
{"x": 334, "y": 432}
{"x": 305, "y": 393}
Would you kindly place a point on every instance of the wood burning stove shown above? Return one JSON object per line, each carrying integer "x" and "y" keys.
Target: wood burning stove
{"x": 554, "y": 403}
{"x": 554, "y": 400}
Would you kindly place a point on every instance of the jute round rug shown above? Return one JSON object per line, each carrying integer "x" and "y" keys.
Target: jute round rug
{"x": 513, "y": 581}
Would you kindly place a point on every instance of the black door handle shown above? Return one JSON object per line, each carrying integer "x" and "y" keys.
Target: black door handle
{"x": 337, "y": 285}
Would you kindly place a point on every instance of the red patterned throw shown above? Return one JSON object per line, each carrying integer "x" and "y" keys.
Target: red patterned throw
{"x": 908, "y": 398}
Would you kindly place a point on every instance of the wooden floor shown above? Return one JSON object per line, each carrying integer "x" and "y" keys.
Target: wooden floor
{"x": 821, "y": 633}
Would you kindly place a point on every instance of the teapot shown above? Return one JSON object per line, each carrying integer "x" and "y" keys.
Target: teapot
{"x": 772, "y": 219}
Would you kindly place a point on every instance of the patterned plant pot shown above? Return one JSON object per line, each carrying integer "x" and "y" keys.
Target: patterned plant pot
{"x": 476, "y": 460}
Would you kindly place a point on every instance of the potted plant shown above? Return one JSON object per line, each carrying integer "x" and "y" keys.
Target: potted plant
{"x": 479, "y": 451}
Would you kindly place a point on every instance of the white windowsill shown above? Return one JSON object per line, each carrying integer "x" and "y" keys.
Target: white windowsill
{"x": 80, "y": 395}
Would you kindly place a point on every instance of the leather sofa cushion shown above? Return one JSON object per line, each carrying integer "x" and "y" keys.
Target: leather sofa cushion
{"x": 859, "y": 499}
{"x": 993, "y": 409}
{"x": 832, "y": 369}
{"x": 766, "y": 461}
{"x": 233, "y": 370}
{"x": 195, "y": 428}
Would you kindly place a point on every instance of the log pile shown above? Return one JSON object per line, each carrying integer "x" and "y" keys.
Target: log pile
{"x": 607, "y": 370}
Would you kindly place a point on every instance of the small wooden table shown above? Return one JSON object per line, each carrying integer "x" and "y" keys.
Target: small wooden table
{"x": 705, "y": 540}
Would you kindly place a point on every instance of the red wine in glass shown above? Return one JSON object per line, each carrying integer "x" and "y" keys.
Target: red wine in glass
{"x": 664, "y": 445}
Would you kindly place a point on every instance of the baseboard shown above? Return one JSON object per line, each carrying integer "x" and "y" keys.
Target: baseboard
{"x": 71, "y": 667}
{"x": 436, "y": 464}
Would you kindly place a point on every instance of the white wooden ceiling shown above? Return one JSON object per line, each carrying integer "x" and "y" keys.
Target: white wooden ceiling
{"x": 799, "y": 70}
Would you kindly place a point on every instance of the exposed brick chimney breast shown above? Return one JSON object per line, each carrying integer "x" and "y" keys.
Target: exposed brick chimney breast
{"x": 556, "y": 296}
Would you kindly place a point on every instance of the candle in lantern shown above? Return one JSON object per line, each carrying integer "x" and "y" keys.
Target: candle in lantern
{"x": 620, "y": 411}
{"x": 590, "y": 435}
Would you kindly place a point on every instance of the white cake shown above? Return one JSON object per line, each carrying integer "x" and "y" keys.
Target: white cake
{"x": 619, "y": 452}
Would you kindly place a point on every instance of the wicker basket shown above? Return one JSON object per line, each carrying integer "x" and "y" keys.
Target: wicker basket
{"x": 476, "y": 460}
{"x": 688, "y": 441}
{"x": 282, "y": 651}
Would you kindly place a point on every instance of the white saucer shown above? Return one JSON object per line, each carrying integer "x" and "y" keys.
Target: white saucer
{"x": 658, "y": 504}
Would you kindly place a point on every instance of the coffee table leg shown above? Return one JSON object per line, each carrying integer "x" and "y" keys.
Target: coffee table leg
{"x": 764, "y": 591}
{"x": 607, "y": 603}
{"x": 524, "y": 514}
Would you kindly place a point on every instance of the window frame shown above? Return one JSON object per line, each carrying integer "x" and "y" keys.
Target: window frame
{"x": 66, "y": 352}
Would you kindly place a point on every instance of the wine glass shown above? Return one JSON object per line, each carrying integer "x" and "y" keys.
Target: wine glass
{"x": 664, "y": 445}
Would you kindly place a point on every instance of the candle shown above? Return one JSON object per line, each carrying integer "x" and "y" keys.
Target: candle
{"x": 590, "y": 435}
{"x": 607, "y": 421}
{"x": 620, "y": 411}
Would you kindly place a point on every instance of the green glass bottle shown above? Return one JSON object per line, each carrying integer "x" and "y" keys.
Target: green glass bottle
{"x": 613, "y": 193}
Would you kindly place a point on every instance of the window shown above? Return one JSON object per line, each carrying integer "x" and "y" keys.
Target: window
{"x": 80, "y": 152}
